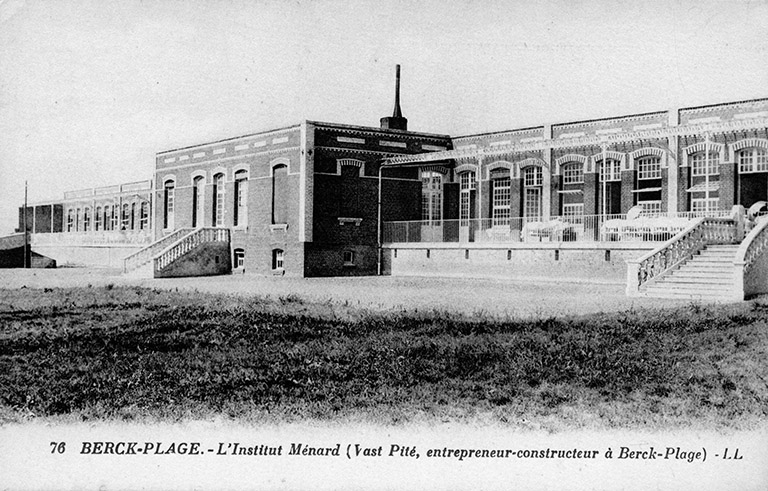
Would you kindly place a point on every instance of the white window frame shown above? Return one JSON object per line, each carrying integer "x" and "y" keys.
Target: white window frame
{"x": 649, "y": 167}
{"x": 218, "y": 200}
{"x": 241, "y": 199}
{"x": 349, "y": 258}
{"x": 700, "y": 167}
{"x": 278, "y": 259}
{"x": 753, "y": 160}
{"x": 502, "y": 200}
{"x": 431, "y": 197}
{"x": 466, "y": 185}
{"x": 614, "y": 170}
{"x": 573, "y": 173}
{"x": 704, "y": 205}
{"x": 650, "y": 206}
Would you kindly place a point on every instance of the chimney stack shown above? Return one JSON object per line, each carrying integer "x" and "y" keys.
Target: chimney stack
{"x": 396, "y": 121}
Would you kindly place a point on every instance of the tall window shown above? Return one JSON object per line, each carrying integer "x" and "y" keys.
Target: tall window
{"x": 241, "y": 198}
{"x": 431, "y": 196}
{"x": 277, "y": 259}
{"x": 702, "y": 166}
{"x": 78, "y": 219}
{"x": 197, "y": 201}
{"x": 107, "y": 217}
{"x": 466, "y": 185}
{"x": 114, "y": 220}
{"x": 239, "y": 255}
{"x": 133, "y": 215}
{"x": 125, "y": 218}
{"x": 649, "y": 168}
{"x": 70, "y": 220}
{"x": 218, "y": 200}
{"x": 98, "y": 222}
{"x": 532, "y": 182}
{"x": 753, "y": 160}
{"x": 280, "y": 194}
{"x": 144, "y": 217}
{"x": 610, "y": 170}
{"x": 502, "y": 198}
{"x": 87, "y": 219}
{"x": 573, "y": 212}
{"x": 573, "y": 173}
{"x": 168, "y": 194}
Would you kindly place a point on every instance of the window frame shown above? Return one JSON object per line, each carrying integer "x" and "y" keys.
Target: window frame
{"x": 570, "y": 177}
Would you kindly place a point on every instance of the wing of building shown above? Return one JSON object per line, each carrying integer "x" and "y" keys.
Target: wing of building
{"x": 573, "y": 199}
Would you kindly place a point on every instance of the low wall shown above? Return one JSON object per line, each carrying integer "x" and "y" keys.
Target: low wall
{"x": 110, "y": 256}
{"x": 593, "y": 262}
{"x": 208, "y": 259}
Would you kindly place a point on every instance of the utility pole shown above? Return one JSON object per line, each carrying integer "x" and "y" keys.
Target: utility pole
{"x": 26, "y": 236}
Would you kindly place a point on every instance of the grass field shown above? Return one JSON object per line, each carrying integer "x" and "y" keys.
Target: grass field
{"x": 130, "y": 353}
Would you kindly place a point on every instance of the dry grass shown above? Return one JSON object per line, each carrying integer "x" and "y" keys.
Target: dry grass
{"x": 130, "y": 353}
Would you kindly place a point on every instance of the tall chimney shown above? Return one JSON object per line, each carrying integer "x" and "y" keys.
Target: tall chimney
{"x": 396, "y": 121}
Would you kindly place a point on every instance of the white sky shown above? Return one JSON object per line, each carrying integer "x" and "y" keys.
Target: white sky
{"x": 91, "y": 90}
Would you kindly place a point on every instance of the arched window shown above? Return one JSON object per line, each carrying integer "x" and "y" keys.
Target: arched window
{"x": 87, "y": 219}
{"x": 79, "y": 220}
{"x": 532, "y": 183}
{"x": 98, "y": 222}
{"x": 144, "y": 217}
{"x": 573, "y": 173}
{"x": 501, "y": 198}
{"x": 753, "y": 160}
{"x": 241, "y": 198}
{"x": 197, "y": 201}
{"x": 280, "y": 194}
{"x": 70, "y": 220}
{"x": 431, "y": 196}
{"x": 218, "y": 200}
{"x": 125, "y": 219}
{"x": 648, "y": 191}
{"x": 168, "y": 193}
{"x": 649, "y": 167}
{"x": 466, "y": 186}
{"x": 277, "y": 259}
{"x": 705, "y": 176}
{"x": 239, "y": 258}
{"x": 107, "y": 217}
{"x": 133, "y": 216}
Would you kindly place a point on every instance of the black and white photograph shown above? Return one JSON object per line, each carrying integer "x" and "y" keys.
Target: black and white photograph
{"x": 337, "y": 244}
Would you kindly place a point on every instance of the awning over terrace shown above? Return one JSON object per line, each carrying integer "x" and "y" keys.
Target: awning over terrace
{"x": 703, "y": 187}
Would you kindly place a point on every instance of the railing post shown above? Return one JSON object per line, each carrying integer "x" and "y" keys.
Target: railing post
{"x": 633, "y": 270}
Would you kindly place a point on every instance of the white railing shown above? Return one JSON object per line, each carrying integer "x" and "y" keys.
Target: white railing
{"x": 653, "y": 227}
{"x": 189, "y": 242}
{"x": 680, "y": 248}
{"x": 93, "y": 238}
{"x": 751, "y": 261}
{"x": 145, "y": 255}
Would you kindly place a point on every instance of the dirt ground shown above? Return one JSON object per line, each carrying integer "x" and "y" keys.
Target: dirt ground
{"x": 513, "y": 298}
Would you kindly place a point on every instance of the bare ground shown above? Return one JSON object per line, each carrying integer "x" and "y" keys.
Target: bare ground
{"x": 512, "y": 298}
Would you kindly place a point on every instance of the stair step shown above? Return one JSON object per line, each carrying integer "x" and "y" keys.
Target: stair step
{"x": 697, "y": 280}
{"x": 689, "y": 288}
{"x": 701, "y": 276}
{"x": 688, "y": 296}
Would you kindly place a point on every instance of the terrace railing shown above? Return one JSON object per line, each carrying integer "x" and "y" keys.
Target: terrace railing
{"x": 656, "y": 227}
{"x": 113, "y": 237}
{"x": 751, "y": 261}
{"x": 680, "y": 248}
{"x": 145, "y": 255}
{"x": 189, "y": 242}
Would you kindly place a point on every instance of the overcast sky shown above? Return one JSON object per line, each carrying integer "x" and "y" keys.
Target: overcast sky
{"x": 91, "y": 90}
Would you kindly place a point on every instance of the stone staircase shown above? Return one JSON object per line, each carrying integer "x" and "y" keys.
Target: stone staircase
{"x": 707, "y": 276}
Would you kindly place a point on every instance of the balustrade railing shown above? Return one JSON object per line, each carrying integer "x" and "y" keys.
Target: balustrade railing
{"x": 680, "y": 248}
{"x": 755, "y": 245}
{"x": 92, "y": 238}
{"x": 145, "y": 255}
{"x": 189, "y": 242}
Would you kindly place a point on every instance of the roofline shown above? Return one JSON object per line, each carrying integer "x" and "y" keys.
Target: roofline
{"x": 762, "y": 99}
{"x": 541, "y": 126}
{"x": 379, "y": 130}
{"x": 266, "y": 132}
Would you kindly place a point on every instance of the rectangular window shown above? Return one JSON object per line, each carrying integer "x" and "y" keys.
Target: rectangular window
{"x": 702, "y": 167}
{"x": 241, "y": 202}
{"x": 277, "y": 259}
{"x": 349, "y": 258}
{"x": 611, "y": 171}
{"x": 650, "y": 206}
{"x": 532, "y": 211}
{"x": 573, "y": 212}
{"x": 431, "y": 196}
{"x": 466, "y": 185}
{"x": 501, "y": 201}
{"x": 573, "y": 174}
{"x": 533, "y": 176}
{"x": 649, "y": 168}
{"x": 703, "y": 205}
{"x": 753, "y": 160}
